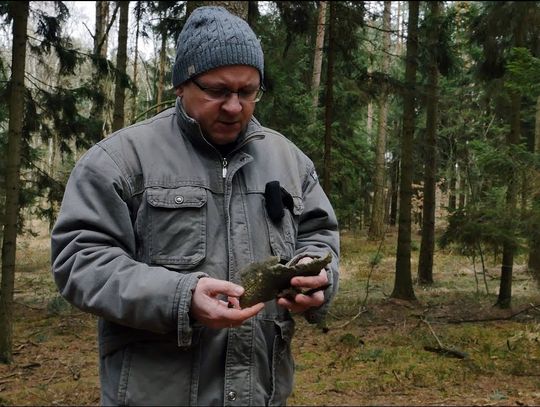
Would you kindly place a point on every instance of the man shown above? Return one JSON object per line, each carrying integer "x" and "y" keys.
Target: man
{"x": 159, "y": 219}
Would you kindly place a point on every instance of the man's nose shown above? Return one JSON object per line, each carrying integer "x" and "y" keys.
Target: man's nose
{"x": 232, "y": 104}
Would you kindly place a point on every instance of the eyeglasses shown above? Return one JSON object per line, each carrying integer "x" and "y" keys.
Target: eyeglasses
{"x": 247, "y": 95}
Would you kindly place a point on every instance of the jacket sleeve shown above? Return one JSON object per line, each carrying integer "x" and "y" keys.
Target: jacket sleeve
{"x": 93, "y": 249}
{"x": 317, "y": 235}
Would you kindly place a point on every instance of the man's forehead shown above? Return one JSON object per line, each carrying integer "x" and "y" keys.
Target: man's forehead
{"x": 227, "y": 73}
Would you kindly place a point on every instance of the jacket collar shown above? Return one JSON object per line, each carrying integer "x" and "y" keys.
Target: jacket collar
{"x": 191, "y": 130}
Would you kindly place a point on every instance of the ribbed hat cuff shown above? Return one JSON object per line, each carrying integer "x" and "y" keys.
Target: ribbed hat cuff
{"x": 226, "y": 54}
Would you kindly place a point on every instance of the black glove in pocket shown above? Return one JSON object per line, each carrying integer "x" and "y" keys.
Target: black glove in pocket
{"x": 276, "y": 200}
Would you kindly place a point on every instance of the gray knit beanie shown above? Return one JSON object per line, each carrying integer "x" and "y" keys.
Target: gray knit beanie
{"x": 213, "y": 37}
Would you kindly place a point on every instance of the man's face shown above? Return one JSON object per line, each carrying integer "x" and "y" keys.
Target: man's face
{"x": 221, "y": 119}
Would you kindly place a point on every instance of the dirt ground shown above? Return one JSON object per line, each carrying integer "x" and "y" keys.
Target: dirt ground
{"x": 373, "y": 351}
{"x": 358, "y": 371}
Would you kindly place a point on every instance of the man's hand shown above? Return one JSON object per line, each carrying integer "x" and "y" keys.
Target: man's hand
{"x": 211, "y": 311}
{"x": 303, "y": 302}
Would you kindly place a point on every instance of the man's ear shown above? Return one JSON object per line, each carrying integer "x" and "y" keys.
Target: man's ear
{"x": 179, "y": 91}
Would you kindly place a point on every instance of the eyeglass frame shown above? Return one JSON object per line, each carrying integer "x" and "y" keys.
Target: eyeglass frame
{"x": 225, "y": 93}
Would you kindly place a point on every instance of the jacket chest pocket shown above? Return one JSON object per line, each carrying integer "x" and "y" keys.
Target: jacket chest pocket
{"x": 282, "y": 233}
{"x": 176, "y": 226}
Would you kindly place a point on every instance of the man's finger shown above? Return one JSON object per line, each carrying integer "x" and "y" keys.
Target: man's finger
{"x": 215, "y": 286}
{"x": 311, "y": 282}
{"x": 312, "y": 291}
{"x": 235, "y": 317}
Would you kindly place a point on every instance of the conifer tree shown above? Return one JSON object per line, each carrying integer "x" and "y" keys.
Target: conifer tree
{"x": 19, "y": 13}
{"x": 427, "y": 245}
{"x": 403, "y": 288}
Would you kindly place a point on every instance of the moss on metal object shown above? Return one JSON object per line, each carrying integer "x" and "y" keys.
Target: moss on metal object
{"x": 267, "y": 280}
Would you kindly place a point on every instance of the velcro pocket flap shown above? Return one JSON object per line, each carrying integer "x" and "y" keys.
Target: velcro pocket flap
{"x": 181, "y": 197}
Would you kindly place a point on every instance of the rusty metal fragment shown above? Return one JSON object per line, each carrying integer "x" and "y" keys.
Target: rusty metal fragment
{"x": 268, "y": 280}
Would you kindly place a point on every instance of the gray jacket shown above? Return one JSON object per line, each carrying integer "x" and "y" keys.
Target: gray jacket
{"x": 146, "y": 213}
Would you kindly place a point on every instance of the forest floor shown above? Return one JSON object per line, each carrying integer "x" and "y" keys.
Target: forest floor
{"x": 373, "y": 352}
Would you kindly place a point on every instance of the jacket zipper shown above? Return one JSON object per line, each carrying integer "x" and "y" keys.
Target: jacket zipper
{"x": 224, "y": 164}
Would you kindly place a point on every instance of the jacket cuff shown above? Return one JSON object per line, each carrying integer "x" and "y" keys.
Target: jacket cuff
{"x": 184, "y": 292}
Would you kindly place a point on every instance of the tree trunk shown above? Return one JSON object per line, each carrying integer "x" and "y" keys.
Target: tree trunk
{"x": 394, "y": 195}
{"x": 253, "y": 12}
{"x": 101, "y": 34}
{"x": 400, "y": 27}
{"x": 329, "y": 103}
{"x": 394, "y": 185}
{"x": 369, "y": 118}
{"x": 100, "y": 52}
{"x": 427, "y": 245}
{"x": 462, "y": 187}
{"x": 376, "y": 226}
{"x": 505, "y": 287}
{"x": 52, "y": 170}
{"x": 135, "y": 93}
{"x": 19, "y": 11}
{"x": 452, "y": 186}
{"x": 239, "y": 8}
{"x": 534, "y": 245}
{"x": 366, "y": 208}
{"x": 514, "y": 137}
{"x": 161, "y": 77}
{"x": 403, "y": 288}
{"x": 317, "y": 60}
{"x": 121, "y": 63}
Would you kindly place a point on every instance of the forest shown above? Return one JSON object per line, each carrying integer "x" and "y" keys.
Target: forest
{"x": 423, "y": 121}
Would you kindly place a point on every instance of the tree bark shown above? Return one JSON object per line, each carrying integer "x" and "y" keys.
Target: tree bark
{"x": 452, "y": 186}
{"x": 427, "y": 245}
{"x": 504, "y": 299}
{"x": 394, "y": 194}
{"x": 100, "y": 52}
{"x": 121, "y": 63}
{"x": 317, "y": 60}
{"x": 403, "y": 288}
{"x": 135, "y": 93}
{"x": 162, "y": 58}
{"x": 329, "y": 102}
{"x": 534, "y": 245}
{"x": 376, "y": 226}
{"x": 505, "y": 288}
{"x": 369, "y": 118}
{"x": 239, "y": 8}
{"x": 400, "y": 27}
{"x": 19, "y": 11}
{"x": 462, "y": 188}
{"x": 253, "y": 14}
